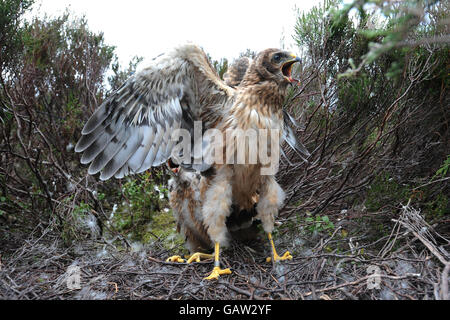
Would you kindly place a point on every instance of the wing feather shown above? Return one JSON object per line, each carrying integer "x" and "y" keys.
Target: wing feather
{"x": 290, "y": 137}
{"x": 151, "y": 156}
{"x": 123, "y": 155}
{"x": 123, "y": 172}
{"x": 96, "y": 144}
{"x": 138, "y": 157}
{"x": 132, "y": 130}
{"x": 96, "y": 119}
{"x": 108, "y": 152}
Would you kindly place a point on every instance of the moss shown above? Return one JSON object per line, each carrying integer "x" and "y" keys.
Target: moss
{"x": 144, "y": 215}
{"x": 163, "y": 228}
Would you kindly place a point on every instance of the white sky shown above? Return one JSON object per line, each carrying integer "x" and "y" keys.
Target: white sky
{"x": 223, "y": 28}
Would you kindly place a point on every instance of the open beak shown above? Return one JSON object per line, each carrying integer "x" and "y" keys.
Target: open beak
{"x": 173, "y": 167}
{"x": 286, "y": 69}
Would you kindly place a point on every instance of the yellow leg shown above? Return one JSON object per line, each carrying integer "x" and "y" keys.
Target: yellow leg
{"x": 217, "y": 271}
{"x": 276, "y": 257}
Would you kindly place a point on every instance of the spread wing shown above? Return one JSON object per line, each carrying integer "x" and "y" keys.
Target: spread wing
{"x": 131, "y": 131}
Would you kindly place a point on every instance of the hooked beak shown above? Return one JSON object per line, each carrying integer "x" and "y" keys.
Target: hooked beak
{"x": 286, "y": 69}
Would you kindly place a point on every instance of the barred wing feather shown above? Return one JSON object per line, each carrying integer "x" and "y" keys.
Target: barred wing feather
{"x": 131, "y": 131}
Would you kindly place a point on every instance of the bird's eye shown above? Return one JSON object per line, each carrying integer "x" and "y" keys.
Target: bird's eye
{"x": 277, "y": 57}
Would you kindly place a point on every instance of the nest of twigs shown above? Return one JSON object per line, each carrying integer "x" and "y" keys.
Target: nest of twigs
{"x": 410, "y": 263}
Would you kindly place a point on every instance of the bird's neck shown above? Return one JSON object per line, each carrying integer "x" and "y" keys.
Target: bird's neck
{"x": 256, "y": 108}
{"x": 265, "y": 96}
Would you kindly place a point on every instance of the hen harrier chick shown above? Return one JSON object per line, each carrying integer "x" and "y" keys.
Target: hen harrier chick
{"x": 133, "y": 131}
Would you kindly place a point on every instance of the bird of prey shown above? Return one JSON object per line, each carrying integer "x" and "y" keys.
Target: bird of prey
{"x": 132, "y": 131}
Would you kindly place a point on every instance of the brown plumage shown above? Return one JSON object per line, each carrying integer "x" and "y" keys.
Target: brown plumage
{"x": 236, "y": 72}
{"x": 132, "y": 130}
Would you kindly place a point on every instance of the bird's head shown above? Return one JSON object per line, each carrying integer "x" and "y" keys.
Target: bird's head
{"x": 276, "y": 65}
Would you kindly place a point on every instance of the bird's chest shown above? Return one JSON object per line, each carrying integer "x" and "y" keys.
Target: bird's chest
{"x": 260, "y": 123}
{"x": 263, "y": 130}
{"x": 258, "y": 118}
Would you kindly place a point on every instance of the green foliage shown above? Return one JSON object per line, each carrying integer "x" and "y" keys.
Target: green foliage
{"x": 309, "y": 30}
{"x": 144, "y": 214}
{"x": 11, "y": 31}
{"x": 53, "y": 74}
{"x": 318, "y": 223}
{"x": 375, "y": 97}
{"x": 143, "y": 195}
{"x": 444, "y": 169}
{"x": 221, "y": 66}
{"x": 52, "y": 77}
{"x": 401, "y": 21}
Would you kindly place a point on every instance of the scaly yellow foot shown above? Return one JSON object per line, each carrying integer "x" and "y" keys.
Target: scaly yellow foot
{"x": 276, "y": 257}
{"x": 217, "y": 272}
{"x": 177, "y": 259}
{"x": 286, "y": 256}
{"x": 197, "y": 257}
